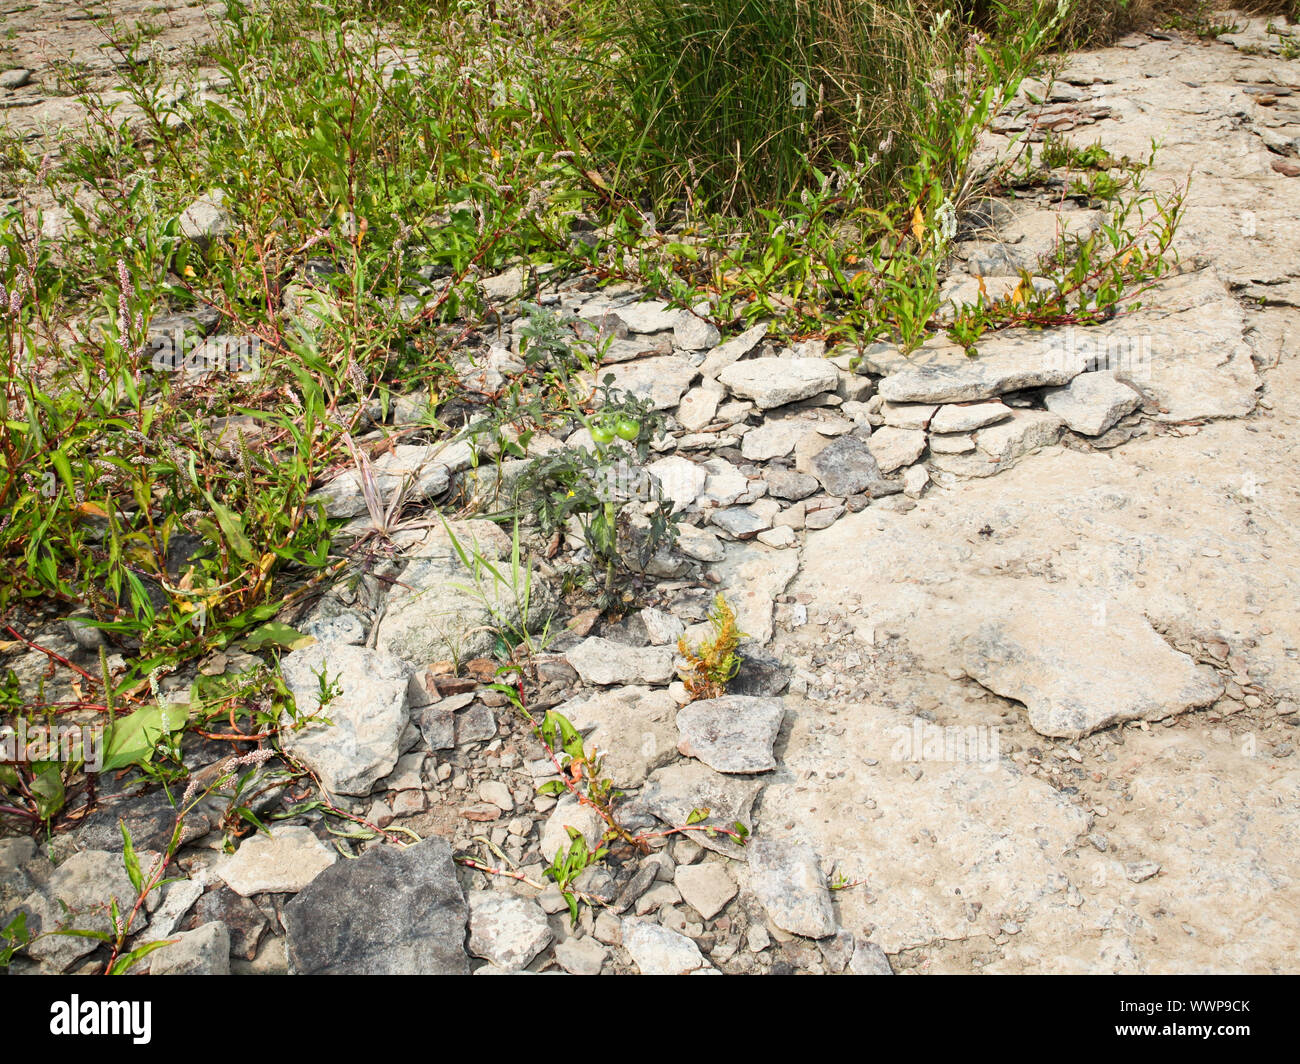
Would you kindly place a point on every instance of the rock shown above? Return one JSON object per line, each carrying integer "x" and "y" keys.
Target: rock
{"x": 150, "y": 820}
{"x": 699, "y": 544}
{"x": 442, "y": 610}
{"x": 894, "y": 448}
{"x": 284, "y": 863}
{"x": 77, "y": 895}
{"x": 505, "y": 286}
{"x": 671, "y": 794}
{"x": 568, "y": 813}
{"x": 693, "y": 333}
{"x": 1141, "y": 871}
{"x": 206, "y": 219}
{"x": 418, "y": 471}
{"x": 658, "y": 951}
{"x": 177, "y": 900}
{"x": 1010, "y": 362}
{"x": 908, "y": 415}
{"x": 662, "y": 629}
{"x": 438, "y": 727}
{"x": 734, "y": 733}
{"x": 475, "y": 724}
{"x": 760, "y": 675}
{"x": 1184, "y": 350}
{"x": 605, "y": 662}
{"x": 505, "y": 929}
{"x": 725, "y": 486}
{"x": 752, "y": 576}
{"x": 966, "y": 417}
{"x": 705, "y": 887}
{"x": 772, "y": 382}
{"x": 1030, "y": 238}
{"x": 1092, "y": 402}
{"x": 1029, "y": 648}
{"x": 681, "y": 480}
{"x": 698, "y": 406}
{"x": 581, "y": 956}
{"x": 662, "y": 379}
{"x": 847, "y": 466}
{"x": 244, "y": 921}
{"x": 955, "y": 443}
{"x": 915, "y": 480}
{"x": 368, "y": 714}
{"x": 633, "y": 725}
{"x": 773, "y": 439}
{"x": 789, "y": 484}
{"x": 780, "y": 538}
{"x": 729, "y": 352}
{"x": 654, "y": 315}
{"x": 741, "y": 522}
{"x": 786, "y": 876}
{"x": 869, "y": 959}
{"x": 203, "y": 951}
{"x": 392, "y": 911}
{"x": 15, "y": 78}
{"x": 1001, "y": 446}
{"x": 497, "y": 793}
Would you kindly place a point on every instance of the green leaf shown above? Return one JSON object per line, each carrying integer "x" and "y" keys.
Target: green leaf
{"x": 131, "y": 739}
{"x": 128, "y": 959}
{"x": 696, "y": 816}
{"x": 47, "y": 788}
{"x": 129, "y": 858}
{"x": 278, "y": 634}
{"x": 554, "y": 787}
{"x": 232, "y": 527}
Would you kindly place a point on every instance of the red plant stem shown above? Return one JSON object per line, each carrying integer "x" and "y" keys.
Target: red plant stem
{"x": 50, "y": 653}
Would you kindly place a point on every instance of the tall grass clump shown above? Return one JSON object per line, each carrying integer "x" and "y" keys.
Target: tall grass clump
{"x": 732, "y": 102}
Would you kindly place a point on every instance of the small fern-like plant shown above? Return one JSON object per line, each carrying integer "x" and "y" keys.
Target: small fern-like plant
{"x": 714, "y": 662}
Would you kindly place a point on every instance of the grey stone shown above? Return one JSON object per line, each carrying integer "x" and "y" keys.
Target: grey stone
{"x": 662, "y": 379}
{"x": 869, "y": 959}
{"x": 845, "y": 467}
{"x": 734, "y": 733}
{"x": 1008, "y": 363}
{"x": 693, "y": 333}
{"x": 86, "y": 883}
{"x": 659, "y": 951}
{"x": 392, "y": 911}
{"x": 789, "y": 484}
{"x": 605, "y": 662}
{"x": 672, "y": 793}
{"x": 420, "y": 472}
{"x": 569, "y": 813}
{"x": 772, "y": 382}
{"x": 505, "y": 929}
{"x": 581, "y": 956}
{"x": 740, "y": 522}
{"x": 894, "y": 448}
{"x": 706, "y": 887}
{"x": 368, "y": 715}
{"x": 1092, "y": 402}
{"x": 15, "y": 78}
{"x": 786, "y": 876}
{"x": 633, "y": 725}
{"x": 438, "y": 727}
{"x": 284, "y": 863}
{"x": 203, "y": 951}
{"x": 967, "y": 417}
{"x": 206, "y": 219}
{"x": 731, "y": 350}
{"x": 1029, "y": 649}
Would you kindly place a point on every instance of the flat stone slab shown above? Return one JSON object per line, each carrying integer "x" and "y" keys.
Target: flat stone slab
{"x": 1046, "y": 649}
{"x": 734, "y": 733}
{"x": 392, "y": 911}
{"x": 283, "y": 863}
{"x": 772, "y": 382}
{"x": 1092, "y": 402}
{"x": 605, "y": 662}
{"x": 505, "y": 929}
{"x": 785, "y": 873}
{"x": 1007, "y": 362}
{"x": 361, "y": 744}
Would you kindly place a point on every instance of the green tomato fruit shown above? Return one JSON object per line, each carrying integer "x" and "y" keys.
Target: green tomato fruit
{"x": 602, "y": 434}
{"x": 627, "y": 429}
